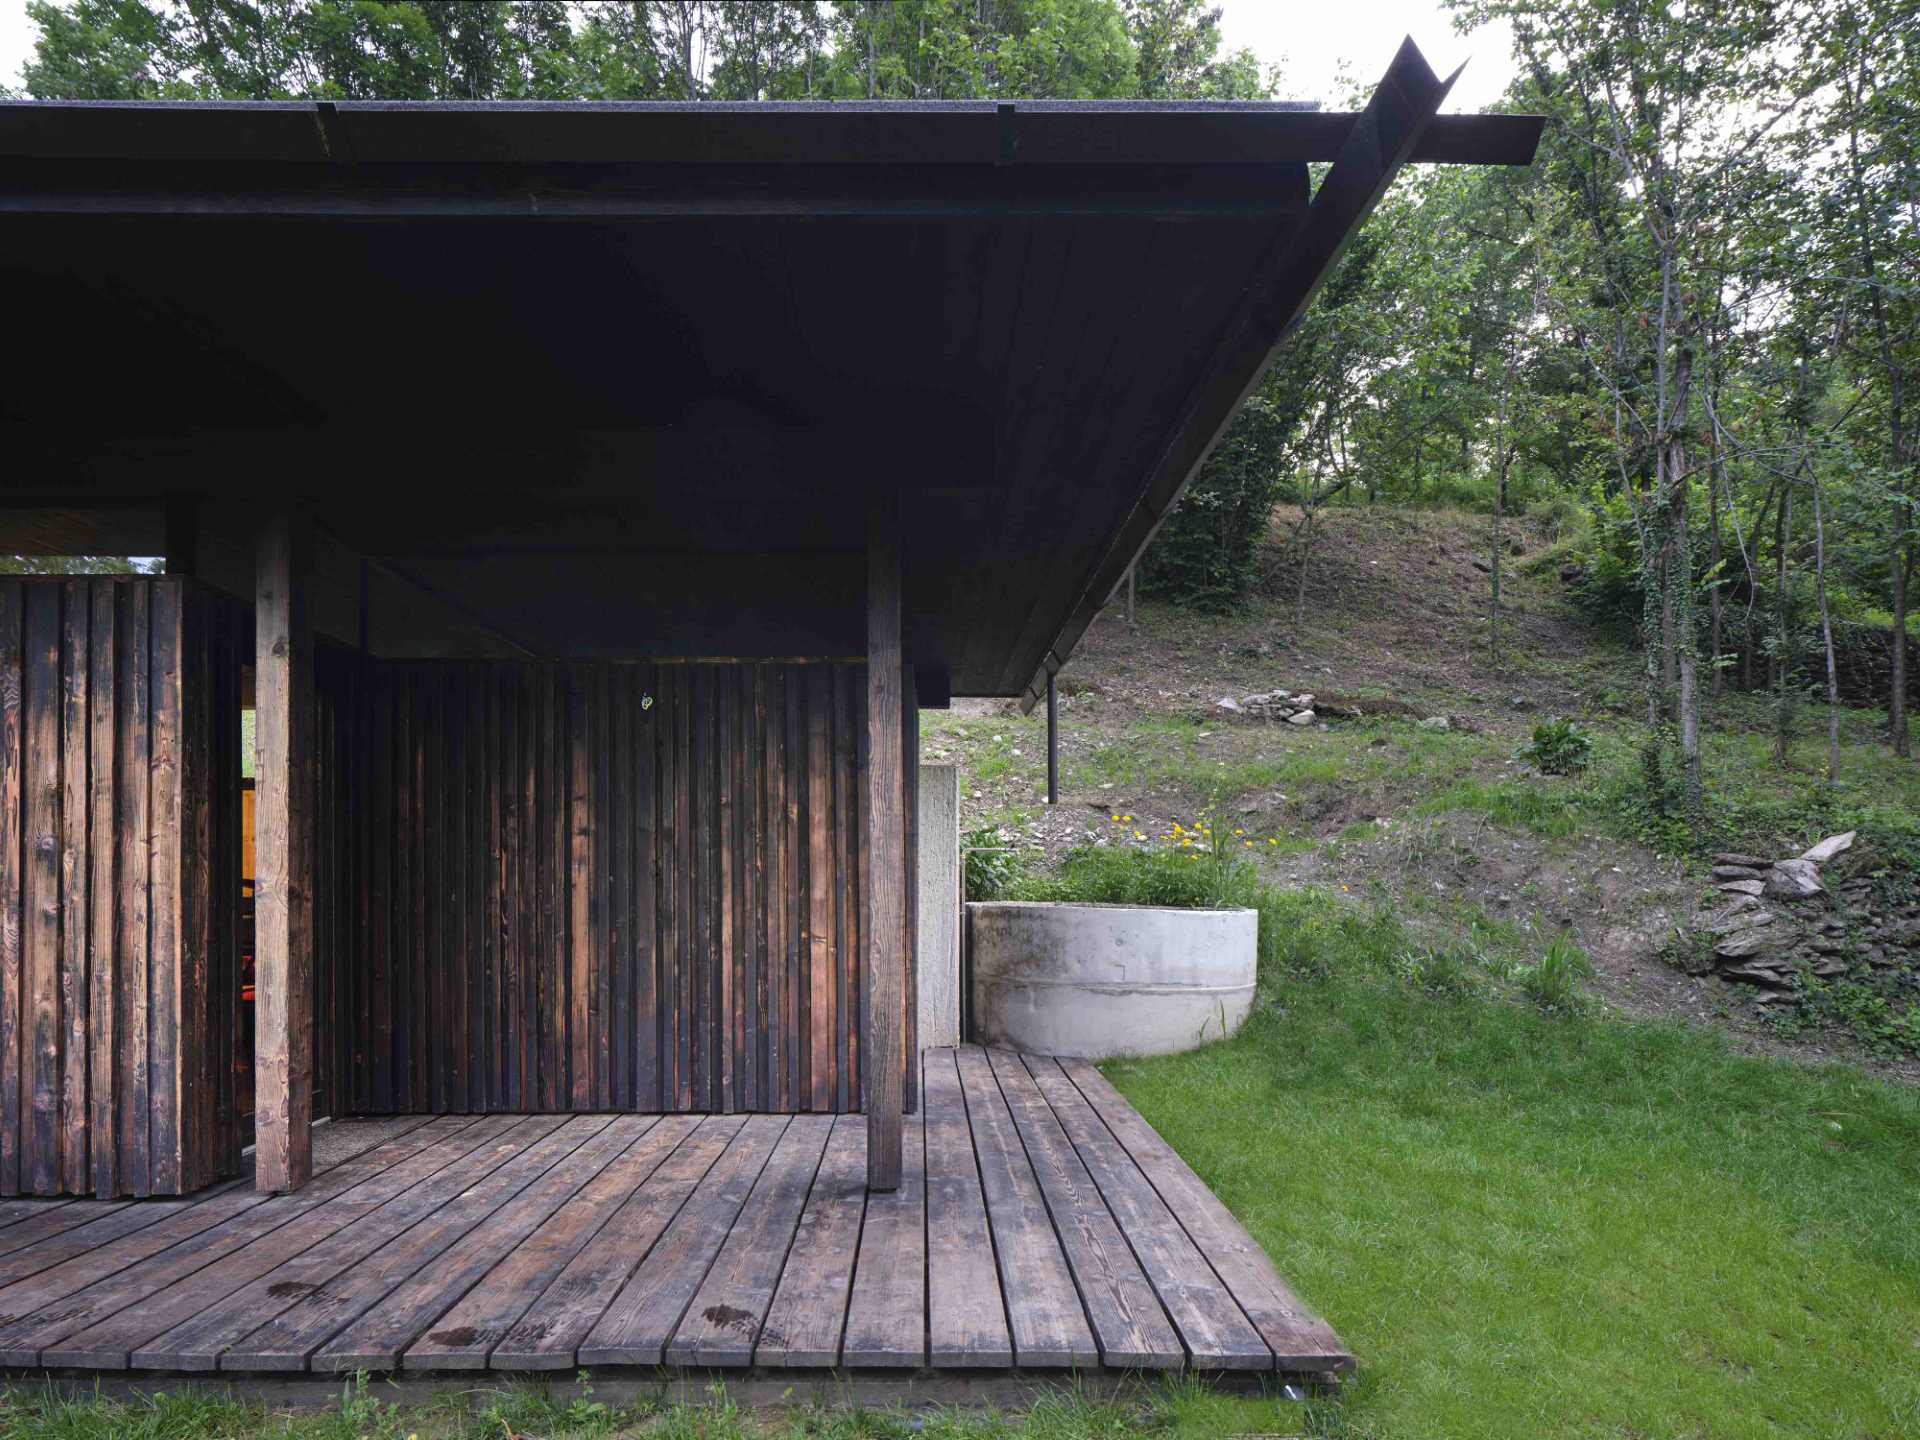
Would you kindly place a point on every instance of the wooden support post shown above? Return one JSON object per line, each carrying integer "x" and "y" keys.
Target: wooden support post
{"x": 887, "y": 957}
{"x": 283, "y": 942}
{"x": 1053, "y": 742}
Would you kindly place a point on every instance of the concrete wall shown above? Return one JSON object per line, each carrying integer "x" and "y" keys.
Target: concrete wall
{"x": 1109, "y": 980}
{"x": 938, "y": 957}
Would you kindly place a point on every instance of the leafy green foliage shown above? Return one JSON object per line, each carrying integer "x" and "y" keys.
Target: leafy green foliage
{"x": 1204, "y": 556}
{"x": 992, "y": 866}
{"x": 1554, "y": 980}
{"x": 1108, "y": 875}
{"x": 1558, "y": 747}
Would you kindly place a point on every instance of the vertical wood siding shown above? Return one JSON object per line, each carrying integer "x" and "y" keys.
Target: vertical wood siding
{"x": 119, "y": 885}
{"x": 591, "y": 886}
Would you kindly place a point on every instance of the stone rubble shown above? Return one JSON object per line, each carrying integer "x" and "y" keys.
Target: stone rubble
{"x": 1269, "y": 705}
{"x": 1773, "y": 922}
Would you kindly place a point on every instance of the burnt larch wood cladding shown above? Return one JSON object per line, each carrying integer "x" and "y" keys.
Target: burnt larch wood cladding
{"x": 591, "y": 886}
{"x": 119, "y": 885}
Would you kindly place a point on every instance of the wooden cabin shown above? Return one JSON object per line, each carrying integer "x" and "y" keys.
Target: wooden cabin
{"x": 585, "y": 499}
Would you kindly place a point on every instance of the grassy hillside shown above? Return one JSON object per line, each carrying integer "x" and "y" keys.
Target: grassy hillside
{"x": 1453, "y": 827}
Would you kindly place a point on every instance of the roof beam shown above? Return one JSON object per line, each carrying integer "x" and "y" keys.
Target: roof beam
{"x": 1382, "y": 140}
{"x": 344, "y": 136}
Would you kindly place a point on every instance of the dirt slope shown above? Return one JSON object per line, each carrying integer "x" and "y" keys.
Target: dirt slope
{"x": 1451, "y": 826}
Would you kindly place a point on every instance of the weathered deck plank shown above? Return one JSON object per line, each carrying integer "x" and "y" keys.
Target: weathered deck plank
{"x": 809, "y": 1310}
{"x": 887, "y": 1312}
{"x": 375, "y": 1339}
{"x": 197, "y": 1342}
{"x": 98, "y": 1325}
{"x": 966, "y": 1314}
{"x": 548, "y": 1336}
{"x": 207, "y": 1275}
{"x": 285, "y": 1341}
{"x": 398, "y": 1314}
{"x": 1302, "y": 1340}
{"x": 95, "y": 1236}
{"x": 1040, "y": 1224}
{"x": 465, "y": 1335}
{"x": 43, "y": 1226}
{"x": 635, "y": 1326}
{"x": 723, "y": 1320}
{"x": 1128, "y": 1321}
{"x": 1049, "y": 1325}
{"x": 1217, "y": 1333}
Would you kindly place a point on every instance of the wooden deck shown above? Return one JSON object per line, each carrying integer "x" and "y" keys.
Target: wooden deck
{"x": 1041, "y": 1225}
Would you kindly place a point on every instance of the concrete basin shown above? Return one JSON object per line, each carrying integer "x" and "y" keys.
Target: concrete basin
{"x": 1109, "y": 980}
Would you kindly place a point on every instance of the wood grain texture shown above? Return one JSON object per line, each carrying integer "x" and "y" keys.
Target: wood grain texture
{"x": 549, "y": 1335}
{"x": 886, "y": 913}
{"x": 637, "y": 1323}
{"x": 887, "y": 1310}
{"x": 14, "y": 1027}
{"x": 192, "y": 1280}
{"x": 1128, "y": 1321}
{"x": 117, "y": 761}
{"x": 722, "y": 1322}
{"x": 289, "y": 1339}
{"x": 283, "y": 907}
{"x": 597, "y": 886}
{"x": 808, "y": 1312}
{"x": 1212, "y": 1326}
{"x": 464, "y": 1336}
{"x": 966, "y": 1316}
{"x": 555, "y": 1241}
{"x": 199, "y": 1340}
{"x": 1044, "y": 1313}
{"x": 375, "y": 1340}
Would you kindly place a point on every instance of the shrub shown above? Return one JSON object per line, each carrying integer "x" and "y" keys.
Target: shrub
{"x": 1186, "y": 880}
{"x": 1559, "y": 748}
{"x": 993, "y": 868}
{"x": 1204, "y": 555}
{"x": 1446, "y": 970}
{"x": 1553, "y": 981}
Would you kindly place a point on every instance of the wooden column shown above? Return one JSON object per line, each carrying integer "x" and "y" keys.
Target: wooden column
{"x": 283, "y": 905}
{"x": 887, "y": 863}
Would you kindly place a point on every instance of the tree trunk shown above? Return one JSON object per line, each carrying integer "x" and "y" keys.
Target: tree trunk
{"x": 1500, "y": 512}
{"x": 1782, "y": 717}
{"x": 1715, "y": 556}
{"x": 1677, "y": 588}
{"x": 1900, "y": 557}
{"x": 1826, "y": 627}
{"x": 1300, "y": 591}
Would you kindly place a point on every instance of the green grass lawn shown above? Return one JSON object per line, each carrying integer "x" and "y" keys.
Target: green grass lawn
{"x": 1530, "y": 1225}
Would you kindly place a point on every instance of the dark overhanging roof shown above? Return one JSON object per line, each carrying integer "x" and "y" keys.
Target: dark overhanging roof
{"x": 919, "y": 133}
{"x": 653, "y": 426}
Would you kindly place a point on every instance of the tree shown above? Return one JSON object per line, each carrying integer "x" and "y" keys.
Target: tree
{"x": 1872, "y": 171}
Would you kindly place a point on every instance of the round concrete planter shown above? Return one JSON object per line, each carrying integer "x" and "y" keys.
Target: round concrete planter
{"x": 1109, "y": 980}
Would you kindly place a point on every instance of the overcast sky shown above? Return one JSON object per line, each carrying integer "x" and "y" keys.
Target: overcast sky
{"x": 1312, "y": 38}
